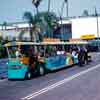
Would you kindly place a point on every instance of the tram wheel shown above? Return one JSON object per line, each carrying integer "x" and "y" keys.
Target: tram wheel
{"x": 41, "y": 70}
{"x": 28, "y": 75}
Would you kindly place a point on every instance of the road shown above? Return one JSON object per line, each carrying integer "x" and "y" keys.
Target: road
{"x": 75, "y": 83}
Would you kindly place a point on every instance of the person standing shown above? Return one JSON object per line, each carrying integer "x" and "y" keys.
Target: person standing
{"x": 80, "y": 56}
{"x": 85, "y": 55}
{"x": 32, "y": 57}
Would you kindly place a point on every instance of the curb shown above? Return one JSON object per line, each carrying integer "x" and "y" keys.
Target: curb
{"x": 1, "y": 78}
{"x": 3, "y": 60}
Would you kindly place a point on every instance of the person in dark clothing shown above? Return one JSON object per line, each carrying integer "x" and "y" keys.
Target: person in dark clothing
{"x": 32, "y": 58}
{"x": 85, "y": 55}
{"x": 81, "y": 54}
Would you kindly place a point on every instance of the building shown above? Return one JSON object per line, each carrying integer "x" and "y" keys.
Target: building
{"x": 83, "y": 27}
{"x": 78, "y": 27}
{"x": 15, "y": 30}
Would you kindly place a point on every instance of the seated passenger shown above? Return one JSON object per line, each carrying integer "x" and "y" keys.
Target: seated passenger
{"x": 58, "y": 52}
{"x": 73, "y": 53}
{"x": 18, "y": 53}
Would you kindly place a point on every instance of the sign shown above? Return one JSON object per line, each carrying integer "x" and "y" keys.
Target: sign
{"x": 91, "y": 36}
{"x": 51, "y": 40}
{"x": 75, "y": 40}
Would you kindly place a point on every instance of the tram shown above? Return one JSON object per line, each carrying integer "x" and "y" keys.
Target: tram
{"x": 47, "y": 56}
{"x": 25, "y": 59}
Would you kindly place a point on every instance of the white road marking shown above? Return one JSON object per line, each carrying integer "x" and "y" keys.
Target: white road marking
{"x": 51, "y": 87}
{"x": 3, "y": 80}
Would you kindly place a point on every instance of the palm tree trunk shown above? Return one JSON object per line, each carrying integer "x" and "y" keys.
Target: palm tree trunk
{"x": 30, "y": 30}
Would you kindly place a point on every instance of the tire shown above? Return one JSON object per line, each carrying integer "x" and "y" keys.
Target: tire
{"x": 41, "y": 70}
{"x": 28, "y": 75}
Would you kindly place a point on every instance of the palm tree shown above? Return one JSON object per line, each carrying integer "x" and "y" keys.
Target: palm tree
{"x": 1, "y": 39}
{"x": 29, "y": 17}
{"x": 45, "y": 22}
{"x": 51, "y": 20}
{"x": 34, "y": 29}
{"x": 36, "y": 3}
{"x": 20, "y": 37}
{"x": 7, "y": 39}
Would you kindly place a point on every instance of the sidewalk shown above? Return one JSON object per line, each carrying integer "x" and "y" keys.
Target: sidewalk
{"x": 3, "y": 60}
{"x": 3, "y": 68}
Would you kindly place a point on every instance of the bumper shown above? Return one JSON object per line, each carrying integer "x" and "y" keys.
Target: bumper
{"x": 16, "y": 73}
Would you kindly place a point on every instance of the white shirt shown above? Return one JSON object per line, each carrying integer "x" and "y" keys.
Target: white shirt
{"x": 18, "y": 54}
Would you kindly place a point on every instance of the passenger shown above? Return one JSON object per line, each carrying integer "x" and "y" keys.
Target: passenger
{"x": 80, "y": 56}
{"x": 32, "y": 58}
{"x": 85, "y": 55}
{"x": 74, "y": 55}
{"x": 18, "y": 53}
{"x": 47, "y": 54}
{"x": 58, "y": 52}
{"x": 42, "y": 52}
{"x": 62, "y": 52}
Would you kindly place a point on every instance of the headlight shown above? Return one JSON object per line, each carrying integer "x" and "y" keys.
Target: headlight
{"x": 21, "y": 62}
{"x": 15, "y": 67}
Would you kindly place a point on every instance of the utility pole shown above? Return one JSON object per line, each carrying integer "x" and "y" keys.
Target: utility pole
{"x": 67, "y": 6}
{"x": 49, "y": 3}
{"x": 96, "y": 15}
{"x": 61, "y": 14}
{"x": 49, "y": 34}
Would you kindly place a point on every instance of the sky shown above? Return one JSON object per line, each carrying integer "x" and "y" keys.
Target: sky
{"x": 13, "y": 10}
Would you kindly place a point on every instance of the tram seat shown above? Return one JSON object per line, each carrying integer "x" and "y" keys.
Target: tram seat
{"x": 24, "y": 60}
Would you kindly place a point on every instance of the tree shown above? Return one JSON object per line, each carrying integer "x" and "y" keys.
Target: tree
{"x": 22, "y": 32}
{"x": 41, "y": 24}
{"x": 36, "y": 3}
{"x": 34, "y": 30}
{"x": 29, "y": 17}
{"x": 45, "y": 21}
{"x": 85, "y": 12}
{"x": 1, "y": 39}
